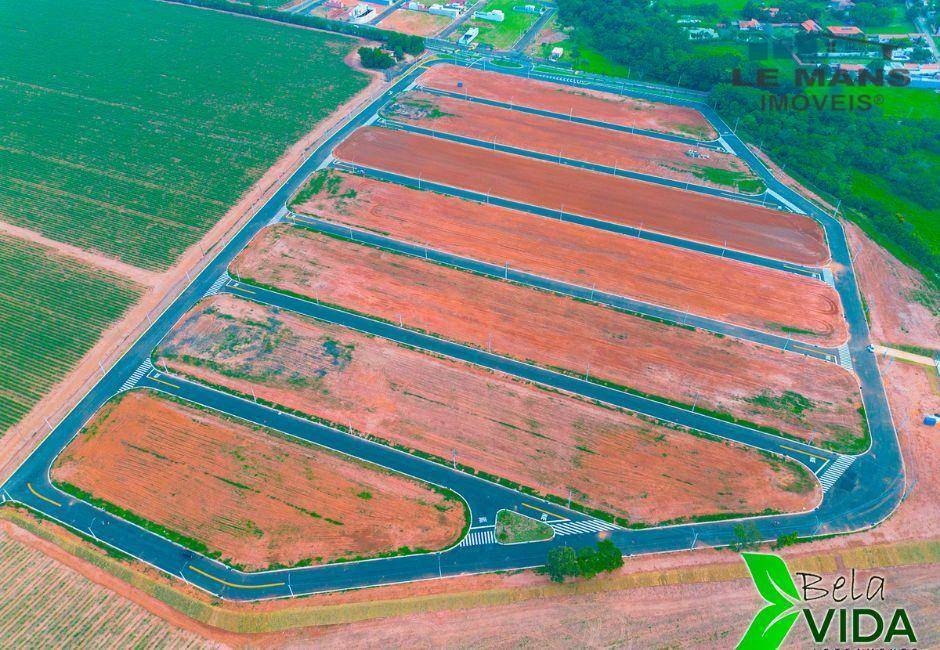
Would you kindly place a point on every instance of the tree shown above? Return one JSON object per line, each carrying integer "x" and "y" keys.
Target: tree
{"x": 562, "y": 563}
{"x": 746, "y": 538}
{"x": 375, "y": 58}
{"x": 609, "y": 556}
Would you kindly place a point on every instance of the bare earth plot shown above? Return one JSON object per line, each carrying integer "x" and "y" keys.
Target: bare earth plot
{"x": 256, "y": 498}
{"x": 547, "y": 135}
{"x": 801, "y": 396}
{"x": 52, "y": 310}
{"x": 688, "y": 215}
{"x": 592, "y": 104}
{"x": 418, "y": 23}
{"x": 698, "y": 283}
{"x": 612, "y": 460}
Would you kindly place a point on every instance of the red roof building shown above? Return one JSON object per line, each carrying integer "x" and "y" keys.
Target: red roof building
{"x": 844, "y": 30}
{"x": 810, "y": 26}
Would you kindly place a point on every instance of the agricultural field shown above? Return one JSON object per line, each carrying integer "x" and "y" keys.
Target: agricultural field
{"x": 547, "y": 135}
{"x": 133, "y": 135}
{"x": 502, "y": 36}
{"x": 635, "y": 469}
{"x": 698, "y": 283}
{"x": 252, "y": 497}
{"x": 800, "y": 396}
{"x": 688, "y": 215}
{"x": 52, "y": 310}
{"x": 46, "y": 604}
{"x": 565, "y": 100}
{"x": 419, "y": 23}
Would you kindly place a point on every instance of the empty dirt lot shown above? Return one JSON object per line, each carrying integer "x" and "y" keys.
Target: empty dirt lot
{"x": 697, "y": 283}
{"x": 611, "y": 460}
{"x": 418, "y": 23}
{"x": 799, "y": 395}
{"x": 255, "y": 497}
{"x": 571, "y": 140}
{"x": 578, "y": 102}
{"x": 689, "y": 215}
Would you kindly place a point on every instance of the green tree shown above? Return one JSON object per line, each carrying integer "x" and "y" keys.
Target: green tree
{"x": 609, "y": 556}
{"x": 562, "y": 563}
{"x": 746, "y": 537}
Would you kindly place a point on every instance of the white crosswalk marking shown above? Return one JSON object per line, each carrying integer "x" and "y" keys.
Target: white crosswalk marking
{"x": 580, "y": 527}
{"x": 217, "y": 285}
{"x": 834, "y": 471}
{"x": 142, "y": 370}
{"x": 845, "y": 359}
{"x": 478, "y": 537}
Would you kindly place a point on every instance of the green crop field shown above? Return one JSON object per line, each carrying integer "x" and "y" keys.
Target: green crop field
{"x": 52, "y": 310}
{"x": 131, "y": 126}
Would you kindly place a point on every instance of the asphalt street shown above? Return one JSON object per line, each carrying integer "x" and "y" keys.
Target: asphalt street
{"x": 867, "y": 489}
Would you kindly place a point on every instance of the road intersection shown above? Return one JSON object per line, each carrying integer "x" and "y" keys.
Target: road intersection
{"x": 859, "y": 491}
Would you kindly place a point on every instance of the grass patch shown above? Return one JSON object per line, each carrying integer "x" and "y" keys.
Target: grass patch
{"x": 514, "y": 528}
{"x": 502, "y": 35}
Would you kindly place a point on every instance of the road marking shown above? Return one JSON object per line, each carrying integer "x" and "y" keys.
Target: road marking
{"x": 232, "y": 584}
{"x": 162, "y": 381}
{"x": 526, "y": 505}
{"x": 240, "y": 288}
{"x": 581, "y": 527}
{"x": 217, "y": 285}
{"x": 478, "y": 538}
{"x": 835, "y": 471}
{"x": 141, "y": 370}
{"x": 802, "y": 451}
{"x": 47, "y": 499}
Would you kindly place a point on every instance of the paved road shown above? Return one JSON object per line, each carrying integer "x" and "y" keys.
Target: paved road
{"x": 861, "y": 491}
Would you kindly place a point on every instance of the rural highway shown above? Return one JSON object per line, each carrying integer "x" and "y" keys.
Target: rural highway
{"x": 860, "y": 491}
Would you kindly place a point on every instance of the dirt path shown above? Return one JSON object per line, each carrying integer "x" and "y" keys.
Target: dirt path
{"x": 19, "y": 441}
{"x": 140, "y": 276}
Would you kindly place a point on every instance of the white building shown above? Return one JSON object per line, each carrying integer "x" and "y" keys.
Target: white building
{"x": 495, "y": 16}
{"x": 469, "y": 35}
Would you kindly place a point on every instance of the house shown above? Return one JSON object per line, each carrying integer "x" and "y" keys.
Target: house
{"x": 557, "y": 53}
{"x": 841, "y": 5}
{"x": 529, "y": 9}
{"x": 334, "y": 4}
{"x": 361, "y": 13}
{"x": 923, "y": 70}
{"x": 844, "y": 30}
{"x": 441, "y": 10}
{"x": 495, "y": 16}
{"x": 748, "y": 25}
{"x": 416, "y": 6}
{"x": 772, "y": 11}
{"x": 469, "y": 35}
{"x": 851, "y": 68}
{"x": 810, "y": 27}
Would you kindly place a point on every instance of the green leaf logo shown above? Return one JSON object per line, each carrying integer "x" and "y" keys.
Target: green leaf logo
{"x": 772, "y": 624}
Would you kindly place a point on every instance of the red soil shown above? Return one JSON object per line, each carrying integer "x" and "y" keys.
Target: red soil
{"x": 419, "y": 23}
{"x": 698, "y": 283}
{"x": 717, "y": 373}
{"x": 579, "y": 102}
{"x": 552, "y": 442}
{"x": 247, "y": 493}
{"x": 689, "y": 215}
{"x": 558, "y": 137}
{"x": 890, "y": 288}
